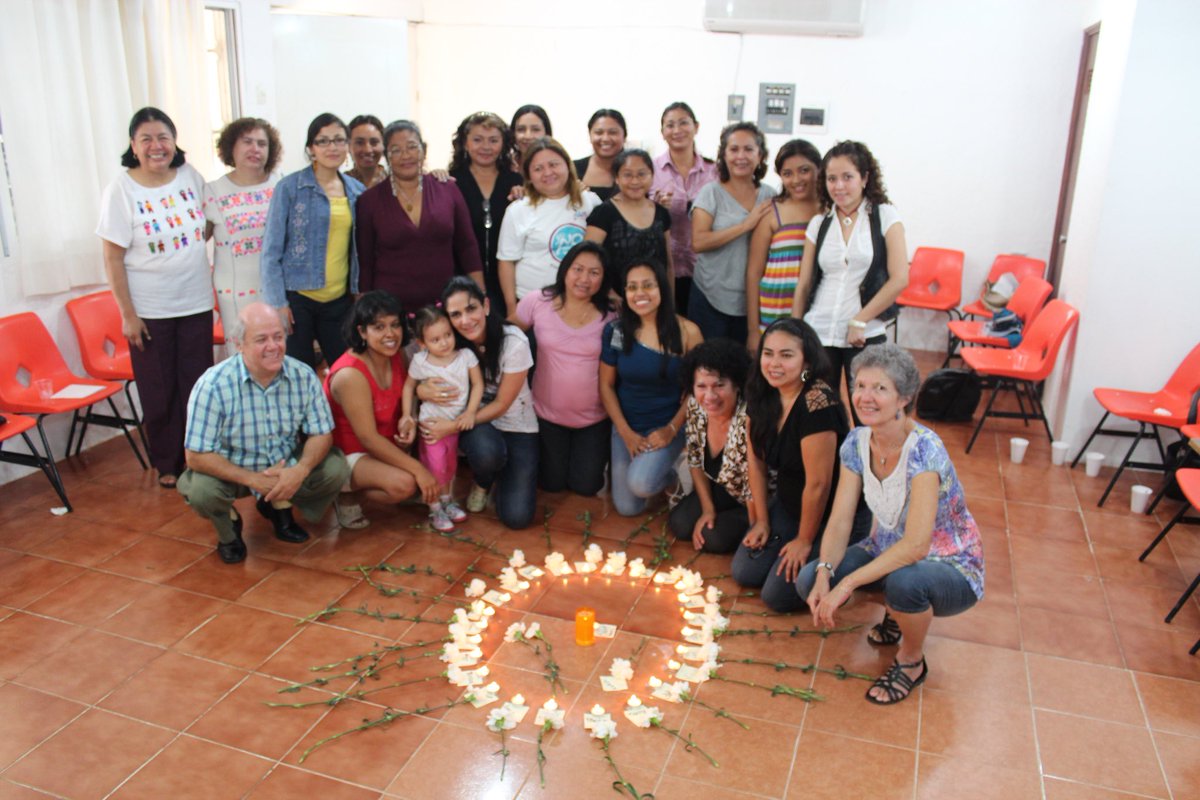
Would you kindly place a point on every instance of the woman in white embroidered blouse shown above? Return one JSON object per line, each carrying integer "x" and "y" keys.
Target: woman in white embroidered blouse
{"x": 925, "y": 550}
{"x": 846, "y": 289}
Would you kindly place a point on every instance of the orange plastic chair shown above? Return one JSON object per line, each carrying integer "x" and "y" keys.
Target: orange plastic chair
{"x": 1021, "y": 267}
{"x": 1026, "y": 365}
{"x": 16, "y": 425}
{"x": 1026, "y": 302}
{"x": 934, "y": 281}
{"x": 103, "y": 348}
{"x": 1189, "y": 483}
{"x": 1166, "y": 408}
{"x": 29, "y": 347}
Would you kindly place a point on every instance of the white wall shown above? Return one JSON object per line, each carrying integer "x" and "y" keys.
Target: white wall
{"x": 1132, "y": 266}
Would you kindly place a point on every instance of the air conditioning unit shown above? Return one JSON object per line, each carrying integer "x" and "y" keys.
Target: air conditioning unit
{"x": 802, "y": 17}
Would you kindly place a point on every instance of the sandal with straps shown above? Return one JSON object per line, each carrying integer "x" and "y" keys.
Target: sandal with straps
{"x": 896, "y": 682}
{"x": 885, "y": 633}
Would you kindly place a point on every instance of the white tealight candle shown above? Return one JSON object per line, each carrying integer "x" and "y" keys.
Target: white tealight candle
{"x": 550, "y": 705}
{"x": 597, "y": 709}
{"x": 654, "y": 681}
{"x": 683, "y": 598}
{"x": 673, "y": 664}
{"x": 683, "y": 648}
{"x": 518, "y": 699}
{"x": 482, "y": 671}
{"x": 634, "y": 701}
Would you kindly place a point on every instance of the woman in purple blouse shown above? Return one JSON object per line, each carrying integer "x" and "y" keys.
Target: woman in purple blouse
{"x": 413, "y": 234}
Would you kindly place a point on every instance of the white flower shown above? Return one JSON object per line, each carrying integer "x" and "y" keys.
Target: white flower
{"x": 515, "y": 631}
{"x": 533, "y": 631}
{"x": 476, "y": 588}
{"x": 621, "y": 668}
{"x": 709, "y": 669}
{"x": 713, "y": 594}
{"x": 498, "y": 721}
{"x": 654, "y": 718}
{"x": 637, "y": 568}
{"x": 456, "y": 675}
{"x": 518, "y": 559}
{"x": 593, "y": 554}
{"x": 680, "y": 689}
{"x": 604, "y": 729}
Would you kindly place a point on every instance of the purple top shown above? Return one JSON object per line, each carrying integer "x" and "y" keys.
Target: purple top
{"x": 414, "y": 262}
{"x": 685, "y": 189}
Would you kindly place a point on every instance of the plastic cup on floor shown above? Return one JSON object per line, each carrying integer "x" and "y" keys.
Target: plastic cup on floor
{"x": 1094, "y": 462}
{"x": 1058, "y": 453}
{"x": 1139, "y": 498}
{"x": 1017, "y": 447}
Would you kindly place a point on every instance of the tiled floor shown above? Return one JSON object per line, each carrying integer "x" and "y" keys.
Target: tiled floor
{"x": 134, "y": 665}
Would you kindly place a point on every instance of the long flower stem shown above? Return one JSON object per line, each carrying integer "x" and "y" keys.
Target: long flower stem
{"x": 547, "y": 726}
{"x": 719, "y": 713}
{"x": 620, "y": 785}
{"x": 824, "y": 633}
{"x": 688, "y": 744}
{"x": 643, "y": 528}
{"x": 365, "y": 611}
{"x": 389, "y": 715}
{"x": 837, "y": 670}
{"x": 503, "y": 752}
{"x": 807, "y": 695}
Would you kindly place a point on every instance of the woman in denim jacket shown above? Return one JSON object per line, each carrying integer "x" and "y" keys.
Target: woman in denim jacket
{"x": 309, "y": 263}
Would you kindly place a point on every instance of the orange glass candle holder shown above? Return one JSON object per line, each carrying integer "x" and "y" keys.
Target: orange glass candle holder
{"x": 585, "y": 627}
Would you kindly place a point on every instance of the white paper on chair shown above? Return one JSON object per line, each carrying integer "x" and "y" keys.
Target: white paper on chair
{"x": 75, "y": 391}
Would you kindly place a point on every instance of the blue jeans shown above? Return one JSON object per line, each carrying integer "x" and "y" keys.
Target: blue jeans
{"x": 715, "y": 324}
{"x": 760, "y": 567}
{"x": 908, "y": 590}
{"x": 634, "y": 480}
{"x": 510, "y": 461}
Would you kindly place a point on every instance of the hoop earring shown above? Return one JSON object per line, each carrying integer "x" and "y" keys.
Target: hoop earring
{"x": 804, "y": 375}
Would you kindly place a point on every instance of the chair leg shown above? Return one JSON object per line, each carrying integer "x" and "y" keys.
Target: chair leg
{"x": 1018, "y": 392}
{"x": 83, "y": 430}
{"x": 1163, "y": 533}
{"x": 1195, "y": 648}
{"x": 71, "y": 434}
{"x": 50, "y": 470}
{"x": 128, "y": 435}
{"x": 1141, "y": 434}
{"x": 1183, "y": 598}
{"x": 1083, "y": 449}
{"x": 137, "y": 417}
{"x": 54, "y": 475}
{"x": 1036, "y": 401}
{"x": 986, "y": 411}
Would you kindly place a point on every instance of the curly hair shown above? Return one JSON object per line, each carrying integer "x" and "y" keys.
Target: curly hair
{"x": 239, "y": 128}
{"x": 759, "y": 139}
{"x": 574, "y": 187}
{"x": 723, "y": 357}
{"x": 864, "y": 161}
{"x": 486, "y": 119}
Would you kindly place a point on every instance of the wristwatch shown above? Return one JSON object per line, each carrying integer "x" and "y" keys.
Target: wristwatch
{"x": 827, "y": 566}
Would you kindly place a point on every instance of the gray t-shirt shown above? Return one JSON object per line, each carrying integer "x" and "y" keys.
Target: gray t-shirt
{"x": 721, "y": 273}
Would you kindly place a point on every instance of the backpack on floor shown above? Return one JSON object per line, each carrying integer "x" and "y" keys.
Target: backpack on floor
{"x": 949, "y": 395}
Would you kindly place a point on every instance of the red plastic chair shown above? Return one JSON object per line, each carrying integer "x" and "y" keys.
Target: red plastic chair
{"x": 934, "y": 281}
{"x": 29, "y": 347}
{"x": 1189, "y": 483}
{"x": 1021, "y": 267}
{"x": 1026, "y": 302}
{"x": 1024, "y": 366}
{"x": 103, "y": 348}
{"x": 16, "y": 425}
{"x": 1166, "y": 408}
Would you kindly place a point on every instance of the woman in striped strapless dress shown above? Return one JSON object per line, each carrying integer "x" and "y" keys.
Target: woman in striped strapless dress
{"x": 777, "y": 244}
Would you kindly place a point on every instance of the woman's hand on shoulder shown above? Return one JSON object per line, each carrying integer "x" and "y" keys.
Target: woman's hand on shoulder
{"x": 516, "y": 193}
{"x": 441, "y": 176}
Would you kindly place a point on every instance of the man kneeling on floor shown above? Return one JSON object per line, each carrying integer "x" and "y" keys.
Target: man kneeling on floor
{"x": 259, "y": 423}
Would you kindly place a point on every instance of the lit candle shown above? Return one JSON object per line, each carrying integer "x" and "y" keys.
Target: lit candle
{"x": 585, "y": 627}
{"x": 597, "y": 709}
{"x": 655, "y": 682}
{"x": 518, "y": 699}
{"x": 683, "y": 598}
{"x": 681, "y": 649}
{"x": 634, "y": 701}
{"x": 673, "y": 664}
{"x": 482, "y": 671}
{"x": 550, "y": 705}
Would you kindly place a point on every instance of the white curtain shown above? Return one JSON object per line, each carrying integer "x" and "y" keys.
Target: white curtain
{"x": 72, "y": 72}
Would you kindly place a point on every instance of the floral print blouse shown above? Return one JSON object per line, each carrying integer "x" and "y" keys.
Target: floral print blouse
{"x": 735, "y": 471}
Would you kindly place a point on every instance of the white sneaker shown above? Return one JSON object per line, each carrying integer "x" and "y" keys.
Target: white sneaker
{"x": 454, "y": 511}
{"x": 477, "y": 499}
{"x": 440, "y": 521}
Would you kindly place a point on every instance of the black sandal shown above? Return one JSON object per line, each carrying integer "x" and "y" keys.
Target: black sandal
{"x": 885, "y": 633}
{"x": 896, "y": 682}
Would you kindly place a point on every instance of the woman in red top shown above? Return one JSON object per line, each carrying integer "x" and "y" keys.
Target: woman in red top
{"x": 364, "y": 387}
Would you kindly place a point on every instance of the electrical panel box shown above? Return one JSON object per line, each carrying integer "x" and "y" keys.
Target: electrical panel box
{"x": 776, "y": 105}
{"x": 737, "y": 103}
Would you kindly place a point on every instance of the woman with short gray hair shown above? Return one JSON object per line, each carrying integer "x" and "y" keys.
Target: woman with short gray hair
{"x": 925, "y": 551}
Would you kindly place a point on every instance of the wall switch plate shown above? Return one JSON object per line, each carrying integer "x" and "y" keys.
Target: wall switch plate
{"x": 776, "y": 104}
{"x": 737, "y": 105}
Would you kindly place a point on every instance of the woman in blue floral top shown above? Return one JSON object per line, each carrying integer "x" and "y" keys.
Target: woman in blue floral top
{"x": 924, "y": 552}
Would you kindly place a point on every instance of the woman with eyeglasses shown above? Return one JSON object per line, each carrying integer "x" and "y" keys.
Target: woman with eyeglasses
{"x": 482, "y": 166}
{"x": 414, "y": 233}
{"x": 309, "y": 263}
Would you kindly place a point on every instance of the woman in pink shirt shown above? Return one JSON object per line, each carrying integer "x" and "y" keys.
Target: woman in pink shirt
{"x": 567, "y": 319}
{"x": 679, "y": 175}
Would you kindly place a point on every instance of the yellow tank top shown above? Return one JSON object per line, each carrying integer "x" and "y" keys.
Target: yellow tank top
{"x": 337, "y": 253}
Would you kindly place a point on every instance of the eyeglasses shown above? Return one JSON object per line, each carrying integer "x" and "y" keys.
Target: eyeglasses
{"x": 337, "y": 141}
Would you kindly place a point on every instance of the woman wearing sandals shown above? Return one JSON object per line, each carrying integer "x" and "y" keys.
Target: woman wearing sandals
{"x": 364, "y": 388}
{"x": 925, "y": 551}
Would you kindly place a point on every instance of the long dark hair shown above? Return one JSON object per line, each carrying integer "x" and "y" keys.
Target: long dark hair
{"x": 759, "y": 139}
{"x": 461, "y": 160}
{"x": 864, "y": 161}
{"x": 537, "y": 111}
{"x": 670, "y": 339}
{"x": 611, "y": 113}
{"x": 140, "y": 118}
{"x": 493, "y": 328}
{"x": 797, "y": 147}
{"x": 558, "y": 289}
{"x": 762, "y": 399}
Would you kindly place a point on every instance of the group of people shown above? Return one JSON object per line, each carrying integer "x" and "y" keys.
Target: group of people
{"x": 685, "y": 318}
